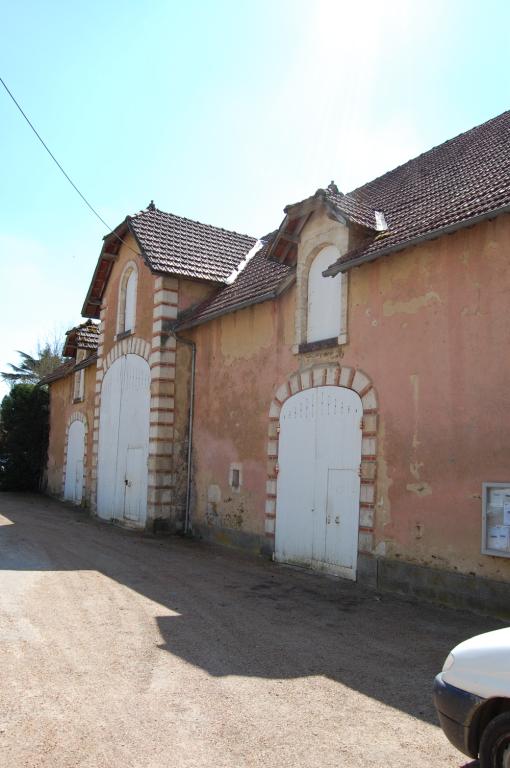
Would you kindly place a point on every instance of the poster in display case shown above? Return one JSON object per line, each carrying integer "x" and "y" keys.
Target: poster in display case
{"x": 496, "y": 519}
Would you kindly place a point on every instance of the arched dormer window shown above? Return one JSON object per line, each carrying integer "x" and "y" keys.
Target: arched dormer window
{"x": 324, "y": 315}
{"x": 127, "y": 299}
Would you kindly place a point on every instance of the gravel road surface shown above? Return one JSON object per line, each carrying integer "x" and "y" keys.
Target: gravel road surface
{"x": 119, "y": 650}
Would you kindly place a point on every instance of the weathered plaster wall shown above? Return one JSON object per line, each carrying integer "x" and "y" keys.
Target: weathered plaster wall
{"x": 62, "y": 409}
{"x": 429, "y": 325}
{"x": 241, "y": 359}
{"x": 192, "y": 292}
{"x": 429, "y": 328}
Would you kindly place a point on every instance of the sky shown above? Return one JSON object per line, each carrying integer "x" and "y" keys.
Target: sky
{"x": 222, "y": 111}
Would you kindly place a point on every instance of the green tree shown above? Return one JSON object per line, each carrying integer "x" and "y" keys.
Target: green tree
{"x": 24, "y": 430}
{"x": 33, "y": 368}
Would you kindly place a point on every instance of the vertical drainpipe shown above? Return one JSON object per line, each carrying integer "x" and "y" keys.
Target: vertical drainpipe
{"x": 190, "y": 429}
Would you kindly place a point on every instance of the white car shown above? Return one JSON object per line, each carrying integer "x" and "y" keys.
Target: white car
{"x": 472, "y": 698}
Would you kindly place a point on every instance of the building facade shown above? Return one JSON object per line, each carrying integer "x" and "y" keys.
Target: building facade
{"x": 333, "y": 394}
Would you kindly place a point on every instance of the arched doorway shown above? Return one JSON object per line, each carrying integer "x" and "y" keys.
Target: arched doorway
{"x": 318, "y": 484}
{"x": 124, "y": 441}
{"x": 73, "y": 484}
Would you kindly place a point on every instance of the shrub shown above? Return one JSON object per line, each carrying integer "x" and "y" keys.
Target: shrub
{"x": 24, "y": 429}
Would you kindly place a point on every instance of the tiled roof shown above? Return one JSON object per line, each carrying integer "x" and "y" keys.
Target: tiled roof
{"x": 87, "y": 335}
{"x": 443, "y": 189}
{"x": 67, "y": 368}
{"x": 262, "y": 279}
{"x": 355, "y": 210}
{"x": 84, "y": 336}
{"x": 181, "y": 246}
{"x": 464, "y": 178}
{"x": 59, "y": 373}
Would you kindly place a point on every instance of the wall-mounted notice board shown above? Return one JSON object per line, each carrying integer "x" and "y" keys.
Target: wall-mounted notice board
{"x": 496, "y": 519}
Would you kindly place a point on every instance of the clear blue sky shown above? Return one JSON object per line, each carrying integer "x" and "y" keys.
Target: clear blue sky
{"x": 221, "y": 111}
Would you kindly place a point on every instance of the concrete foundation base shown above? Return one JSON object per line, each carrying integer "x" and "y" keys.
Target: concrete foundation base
{"x": 230, "y": 537}
{"x": 472, "y": 593}
{"x": 456, "y": 590}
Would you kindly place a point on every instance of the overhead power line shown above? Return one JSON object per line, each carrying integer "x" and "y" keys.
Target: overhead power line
{"x": 48, "y": 150}
{"x": 71, "y": 182}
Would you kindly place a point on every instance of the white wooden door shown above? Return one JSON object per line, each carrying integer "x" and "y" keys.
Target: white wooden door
{"x": 78, "y": 482}
{"x": 109, "y": 505}
{"x": 134, "y": 485}
{"x": 319, "y": 455}
{"x": 295, "y": 488}
{"x": 73, "y": 484}
{"x": 124, "y": 441}
{"x": 342, "y": 504}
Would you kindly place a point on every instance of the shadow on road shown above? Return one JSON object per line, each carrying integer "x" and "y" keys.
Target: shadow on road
{"x": 247, "y": 617}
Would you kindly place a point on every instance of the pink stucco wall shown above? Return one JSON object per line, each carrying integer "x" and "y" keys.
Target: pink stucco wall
{"x": 429, "y": 327}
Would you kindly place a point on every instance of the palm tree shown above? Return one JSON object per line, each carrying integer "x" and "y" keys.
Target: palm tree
{"x": 33, "y": 368}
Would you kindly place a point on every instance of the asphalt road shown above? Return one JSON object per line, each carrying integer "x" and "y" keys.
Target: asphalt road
{"x": 119, "y": 650}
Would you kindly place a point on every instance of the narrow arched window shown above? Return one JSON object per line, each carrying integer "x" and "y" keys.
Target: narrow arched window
{"x": 127, "y": 300}
{"x": 324, "y": 316}
{"x": 130, "y": 311}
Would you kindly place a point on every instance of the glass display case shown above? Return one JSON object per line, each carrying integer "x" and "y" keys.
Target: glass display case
{"x": 496, "y": 519}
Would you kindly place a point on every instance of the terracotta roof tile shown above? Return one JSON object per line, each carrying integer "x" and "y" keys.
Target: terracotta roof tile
{"x": 261, "y": 280}
{"x": 466, "y": 177}
{"x": 87, "y": 335}
{"x": 59, "y": 373}
{"x": 84, "y": 336}
{"x": 355, "y": 210}
{"x": 67, "y": 368}
{"x": 185, "y": 247}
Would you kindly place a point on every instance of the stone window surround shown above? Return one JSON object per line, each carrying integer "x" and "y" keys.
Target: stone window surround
{"x": 301, "y": 322}
{"x": 79, "y": 386}
{"x": 235, "y": 466}
{"x": 121, "y": 301}
{"x": 79, "y": 378}
{"x": 331, "y": 374}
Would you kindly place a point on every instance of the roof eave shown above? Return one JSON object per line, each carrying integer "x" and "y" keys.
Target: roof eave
{"x": 268, "y": 296}
{"x": 219, "y": 283}
{"x": 304, "y": 209}
{"x": 88, "y": 361}
{"x": 433, "y": 234}
{"x": 302, "y": 212}
{"x": 51, "y": 377}
{"x": 91, "y": 306}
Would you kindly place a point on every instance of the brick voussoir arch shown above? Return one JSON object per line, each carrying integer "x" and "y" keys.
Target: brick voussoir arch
{"x": 333, "y": 375}
{"x": 76, "y": 416}
{"x": 130, "y": 346}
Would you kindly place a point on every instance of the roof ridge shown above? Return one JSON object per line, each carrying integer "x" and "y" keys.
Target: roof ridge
{"x": 89, "y": 323}
{"x": 192, "y": 221}
{"x": 426, "y": 152}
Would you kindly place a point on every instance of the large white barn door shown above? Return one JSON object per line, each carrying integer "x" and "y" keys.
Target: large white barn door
{"x": 124, "y": 441}
{"x": 296, "y": 474}
{"x": 317, "y": 507}
{"x": 73, "y": 485}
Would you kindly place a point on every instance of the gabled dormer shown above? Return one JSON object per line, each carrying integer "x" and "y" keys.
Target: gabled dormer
{"x": 81, "y": 346}
{"x": 315, "y": 234}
